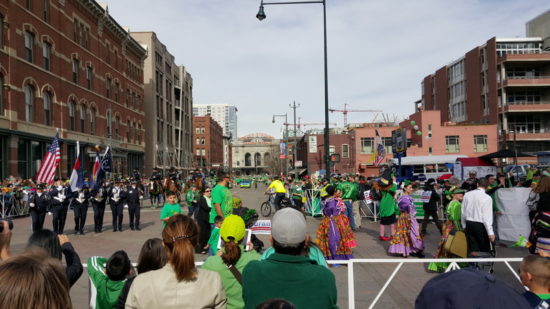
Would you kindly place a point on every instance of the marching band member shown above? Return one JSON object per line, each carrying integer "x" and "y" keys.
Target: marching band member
{"x": 39, "y": 203}
{"x": 80, "y": 204}
{"x": 117, "y": 197}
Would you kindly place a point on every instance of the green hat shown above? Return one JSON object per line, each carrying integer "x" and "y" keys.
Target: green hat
{"x": 232, "y": 226}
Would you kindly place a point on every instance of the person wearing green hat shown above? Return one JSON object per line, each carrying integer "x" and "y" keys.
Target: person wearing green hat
{"x": 454, "y": 211}
{"x": 230, "y": 264}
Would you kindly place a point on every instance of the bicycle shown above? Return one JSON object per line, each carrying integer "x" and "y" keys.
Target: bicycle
{"x": 267, "y": 206}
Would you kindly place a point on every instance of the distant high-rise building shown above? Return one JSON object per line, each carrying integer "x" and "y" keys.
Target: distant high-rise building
{"x": 224, "y": 114}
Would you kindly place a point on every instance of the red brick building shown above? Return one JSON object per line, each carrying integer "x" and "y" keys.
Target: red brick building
{"x": 68, "y": 66}
{"x": 208, "y": 145}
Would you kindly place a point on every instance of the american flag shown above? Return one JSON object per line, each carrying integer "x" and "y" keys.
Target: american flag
{"x": 380, "y": 150}
{"x": 50, "y": 162}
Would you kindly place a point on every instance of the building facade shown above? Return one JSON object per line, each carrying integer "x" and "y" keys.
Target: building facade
{"x": 65, "y": 66}
{"x": 167, "y": 122}
{"x": 224, "y": 114}
{"x": 256, "y": 154}
{"x": 506, "y": 82}
{"x": 208, "y": 145}
{"x": 184, "y": 120}
{"x": 311, "y": 151}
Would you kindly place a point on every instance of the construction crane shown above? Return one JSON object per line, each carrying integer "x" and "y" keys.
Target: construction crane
{"x": 345, "y": 111}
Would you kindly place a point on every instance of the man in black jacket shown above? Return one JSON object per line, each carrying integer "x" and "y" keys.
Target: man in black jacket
{"x": 430, "y": 208}
{"x": 80, "y": 207}
{"x": 133, "y": 197}
{"x": 59, "y": 196}
{"x": 117, "y": 198}
{"x": 39, "y": 202}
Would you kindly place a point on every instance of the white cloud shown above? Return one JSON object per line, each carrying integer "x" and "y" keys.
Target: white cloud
{"x": 378, "y": 51}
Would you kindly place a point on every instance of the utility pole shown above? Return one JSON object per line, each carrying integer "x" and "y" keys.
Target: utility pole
{"x": 295, "y": 150}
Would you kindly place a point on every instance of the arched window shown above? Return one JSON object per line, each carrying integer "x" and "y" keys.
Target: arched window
{"x": 72, "y": 117}
{"x": 92, "y": 120}
{"x": 47, "y": 108}
{"x": 267, "y": 158}
{"x": 29, "y": 103}
{"x": 82, "y": 118}
{"x": 247, "y": 159}
{"x": 257, "y": 159}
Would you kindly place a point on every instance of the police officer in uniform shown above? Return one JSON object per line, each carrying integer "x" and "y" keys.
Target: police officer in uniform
{"x": 99, "y": 200}
{"x": 134, "y": 195}
{"x": 80, "y": 204}
{"x": 117, "y": 198}
{"x": 39, "y": 202}
{"x": 59, "y": 202}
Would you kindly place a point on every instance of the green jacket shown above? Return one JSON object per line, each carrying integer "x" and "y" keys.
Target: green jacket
{"x": 349, "y": 190}
{"x": 388, "y": 206}
{"x": 106, "y": 291}
{"x": 294, "y": 278}
{"x": 232, "y": 287}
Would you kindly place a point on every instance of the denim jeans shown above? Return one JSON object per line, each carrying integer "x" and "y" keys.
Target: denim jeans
{"x": 349, "y": 213}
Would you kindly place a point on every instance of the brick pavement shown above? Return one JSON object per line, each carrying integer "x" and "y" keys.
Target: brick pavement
{"x": 368, "y": 278}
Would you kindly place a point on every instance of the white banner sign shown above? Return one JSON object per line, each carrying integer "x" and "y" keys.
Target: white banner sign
{"x": 262, "y": 227}
{"x": 514, "y": 220}
{"x": 312, "y": 144}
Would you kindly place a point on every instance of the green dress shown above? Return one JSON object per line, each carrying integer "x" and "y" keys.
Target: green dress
{"x": 454, "y": 212}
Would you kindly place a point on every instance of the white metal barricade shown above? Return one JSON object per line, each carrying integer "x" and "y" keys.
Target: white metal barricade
{"x": 311, "y": 196}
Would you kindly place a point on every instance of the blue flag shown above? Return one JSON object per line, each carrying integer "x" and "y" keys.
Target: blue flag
{"x": 105, "y": 166}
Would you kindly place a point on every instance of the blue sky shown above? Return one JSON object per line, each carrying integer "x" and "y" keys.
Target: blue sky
{"x": 378, "y": 50}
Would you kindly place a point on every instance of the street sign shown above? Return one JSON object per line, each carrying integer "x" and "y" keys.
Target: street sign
{"x": 399, "y": 140}
{"x": 298, "y": 164}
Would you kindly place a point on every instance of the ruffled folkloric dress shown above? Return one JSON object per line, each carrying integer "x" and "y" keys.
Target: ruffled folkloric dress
{"x": 454, "y": 211}
{"x": 334, "y": 235}
{"x": 407, "y": 237}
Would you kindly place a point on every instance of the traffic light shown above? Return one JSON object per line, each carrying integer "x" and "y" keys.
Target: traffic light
{"x": 335, "y": 157}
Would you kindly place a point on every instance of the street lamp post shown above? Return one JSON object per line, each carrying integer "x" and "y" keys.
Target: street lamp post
{"x": 295, "y": 150}
{"x": 261, "y": 16}
{"x": 285, "y": 139}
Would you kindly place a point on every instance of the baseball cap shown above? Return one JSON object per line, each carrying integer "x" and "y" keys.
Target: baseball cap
{"x": 288, "y": 227}
{"x": 468, "y": 288}
{"x": 232, "y": 226}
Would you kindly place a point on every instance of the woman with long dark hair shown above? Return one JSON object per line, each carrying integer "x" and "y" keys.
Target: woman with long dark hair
{"x": 196, "y": 288}
{"x": 56, "y": 246}
{"x": 540, "y": 224}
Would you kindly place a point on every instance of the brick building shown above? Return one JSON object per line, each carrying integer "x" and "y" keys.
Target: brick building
{"x": 68, "y": 65}
{"x": 208, "y": 146}
{"x": 506, "y": 82}
{"x": 311, "y": 151}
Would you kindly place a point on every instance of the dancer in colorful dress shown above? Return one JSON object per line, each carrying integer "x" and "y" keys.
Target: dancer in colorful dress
{"x": 454, "y": 211}
{"x": 385, "y": 190}
{"x": 334, "y": 235}
{"x": 407, "y": 240}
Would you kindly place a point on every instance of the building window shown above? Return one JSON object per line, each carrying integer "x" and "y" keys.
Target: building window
{"x": 386, "y": 141}
{"x": 76, "y": 64}
{"x": 117, "y": 86}
{"x": 203, "y": 152}
{"x": 28, "y": 4}
{"x": 331, "y": 149}
{"x": 198, "y": 152}
{"x": 452, "y": 143}
{"x": 1, "y": 32}
{"x": 480, "y": 143}
{"x": 29, "y": 46}
{"x": 46, "y": 54}
{"x": 345, "y": 151}
{"x": 82, "y": 119}
{"x": 117, "y": 127}
{"x": 202, "y": 130}
{"x": 47, "y": 108}
{"x": 366, "y": 144}
{"x": 108, "y": 87}
{"x": 46, "y": 12}
{"x": 72, "y": 118}
{"x": 198, "y": 141}
{"x": 1, "y": 95}
{"x": 197, "y": 130}
{"x": 92, "y": 120}
{"x": 29, "y": 103}
{"x": 89, "y": 77}
{"x": 110, "y": 123}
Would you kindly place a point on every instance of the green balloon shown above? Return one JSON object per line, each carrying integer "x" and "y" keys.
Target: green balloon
{"x": 418, "y": 132}
{"x": 413, "y": 122}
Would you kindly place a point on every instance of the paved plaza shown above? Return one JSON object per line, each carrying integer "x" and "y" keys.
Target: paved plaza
{"x": 369, "y": 278}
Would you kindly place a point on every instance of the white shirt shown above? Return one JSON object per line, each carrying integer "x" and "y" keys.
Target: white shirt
{"x": 477, "y": 206}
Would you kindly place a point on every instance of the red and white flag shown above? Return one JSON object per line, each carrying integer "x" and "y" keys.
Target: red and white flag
{"x": 77, "y": 176}
{"x": 50, "y": 162}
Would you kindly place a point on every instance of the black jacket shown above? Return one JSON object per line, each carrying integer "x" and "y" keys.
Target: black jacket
{"x": 203, "y": 213}
{"x": 431, "y": 205}
{"x": 74, "y": 267}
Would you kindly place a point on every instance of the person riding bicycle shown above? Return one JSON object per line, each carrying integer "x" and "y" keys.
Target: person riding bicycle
{"x": 280, "y": 191}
